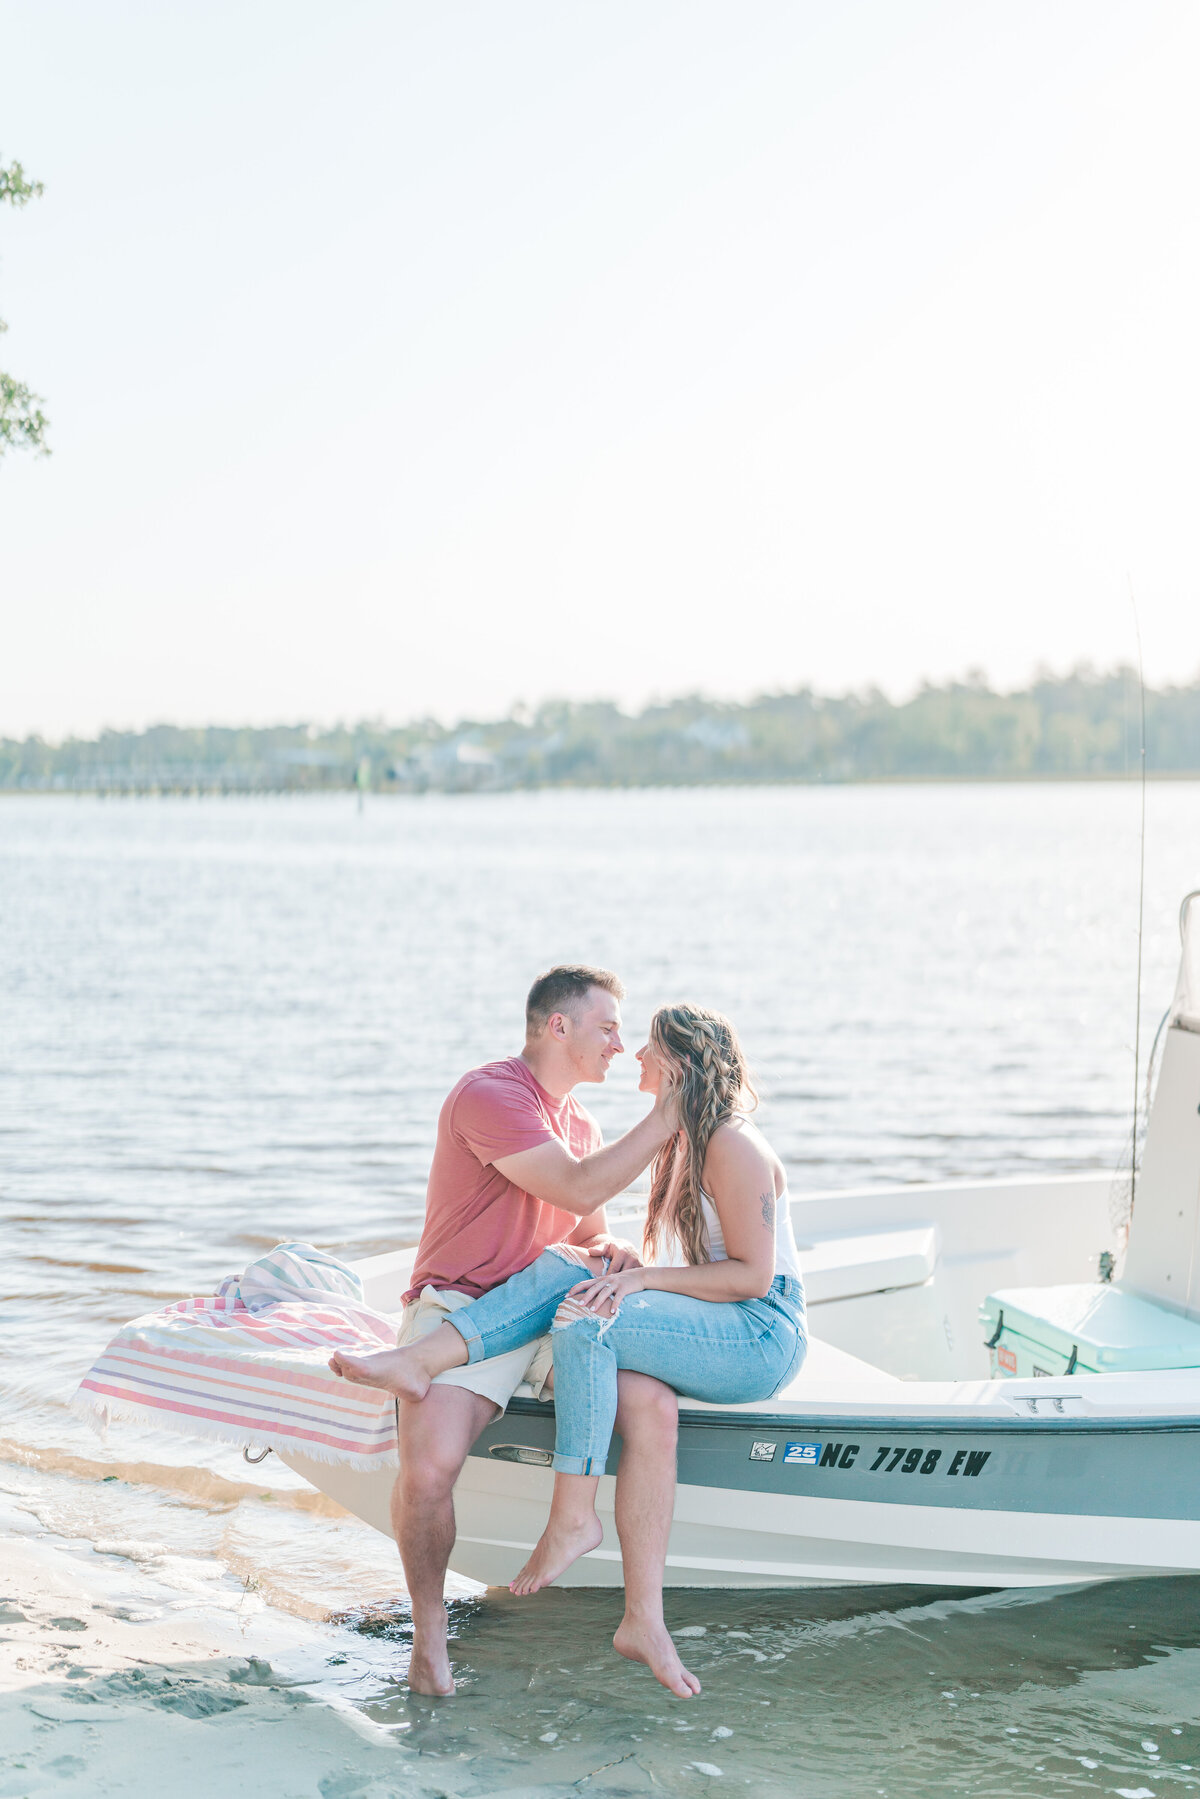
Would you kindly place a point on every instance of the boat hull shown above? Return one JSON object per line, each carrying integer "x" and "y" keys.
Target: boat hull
{"x": 795, "y": 1500}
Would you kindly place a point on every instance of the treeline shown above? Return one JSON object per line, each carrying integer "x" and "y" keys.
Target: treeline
{"x": 1079, "y": 725}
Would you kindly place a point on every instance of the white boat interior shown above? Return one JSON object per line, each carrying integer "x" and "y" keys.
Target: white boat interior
{"x": 1001, "y": 1389}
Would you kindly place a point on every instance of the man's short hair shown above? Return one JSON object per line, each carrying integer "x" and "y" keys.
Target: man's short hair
{"x": 566, "y": 990}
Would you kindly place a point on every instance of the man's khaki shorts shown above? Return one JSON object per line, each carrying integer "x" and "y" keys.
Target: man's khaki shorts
{"x": 497, "y": 1378}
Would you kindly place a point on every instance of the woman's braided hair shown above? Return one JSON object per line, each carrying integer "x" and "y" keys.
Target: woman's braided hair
{"x": 701, "y": 1052}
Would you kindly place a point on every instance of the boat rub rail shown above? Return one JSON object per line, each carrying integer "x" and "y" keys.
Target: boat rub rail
{"x": 878, "y": 1423}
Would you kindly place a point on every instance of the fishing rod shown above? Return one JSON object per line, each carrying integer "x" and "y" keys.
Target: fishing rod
{"x": 1137, "y": 1025}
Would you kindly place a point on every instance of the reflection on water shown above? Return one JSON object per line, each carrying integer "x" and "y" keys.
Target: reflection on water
{"x": 229, "y": 1023}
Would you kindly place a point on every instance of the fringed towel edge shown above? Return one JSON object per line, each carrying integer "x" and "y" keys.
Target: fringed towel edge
{"x": 98, "y": 1413}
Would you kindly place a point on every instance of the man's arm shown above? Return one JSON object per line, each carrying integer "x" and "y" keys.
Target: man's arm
{"x": 590, "y": 1229}
{"x": 551, "y": 1173}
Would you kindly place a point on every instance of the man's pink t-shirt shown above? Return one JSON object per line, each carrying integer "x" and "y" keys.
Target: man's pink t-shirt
{"x": 479, "y": 1226}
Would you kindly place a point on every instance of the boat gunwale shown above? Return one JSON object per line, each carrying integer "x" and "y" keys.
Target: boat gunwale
{"x": 894, "y": 1421}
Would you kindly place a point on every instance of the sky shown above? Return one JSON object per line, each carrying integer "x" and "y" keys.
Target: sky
{"x": 410, "y": 359}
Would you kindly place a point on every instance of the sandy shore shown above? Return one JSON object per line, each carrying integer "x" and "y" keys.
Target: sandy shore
{"x": 101, "y": 1692}
{"x": 135, "y": 1665}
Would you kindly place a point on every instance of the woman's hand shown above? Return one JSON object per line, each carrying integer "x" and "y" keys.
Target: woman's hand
{"x": 604, "y": 1293}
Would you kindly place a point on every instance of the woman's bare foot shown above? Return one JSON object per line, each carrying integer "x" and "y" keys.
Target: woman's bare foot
{"x": 650, "y": 1643}
{"x": 561, "y": 1543}
{"x": 397, "y": 1371}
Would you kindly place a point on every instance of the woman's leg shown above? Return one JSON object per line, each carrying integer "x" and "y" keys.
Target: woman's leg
{"x": 648, "y": 1423}
{"x": 516, "y": 1312}
{"x": 714, "y": 1352}
{"x": 647, "y": 1419}
{"x": 523, "y": 1307}
{"x": 571, "y": 1530}
{"x": 721, "y": 1353}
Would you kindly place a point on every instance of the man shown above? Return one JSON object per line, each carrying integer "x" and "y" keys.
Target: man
{"x": 519, "y": 1165}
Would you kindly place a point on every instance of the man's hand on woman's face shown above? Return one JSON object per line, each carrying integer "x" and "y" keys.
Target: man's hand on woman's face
{"x": 666, "y": 1103}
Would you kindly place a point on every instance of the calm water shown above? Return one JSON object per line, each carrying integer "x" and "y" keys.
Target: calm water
{"x": 226, "y": 1023}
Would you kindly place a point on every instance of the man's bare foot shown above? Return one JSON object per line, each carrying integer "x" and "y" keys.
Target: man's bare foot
{"x": 429, "y": 1672}
{"x": 397, "y": 1371}
{"x": 651, "y": 1644}
{"x": 559, "y": 1545}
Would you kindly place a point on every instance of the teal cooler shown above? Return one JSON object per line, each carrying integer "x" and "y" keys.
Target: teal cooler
{"x": 1086, "y": 1329}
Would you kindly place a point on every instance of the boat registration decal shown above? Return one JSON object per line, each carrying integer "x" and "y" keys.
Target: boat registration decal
{"x": 763, "y": 1452}
{"x": 909, "y": 1458}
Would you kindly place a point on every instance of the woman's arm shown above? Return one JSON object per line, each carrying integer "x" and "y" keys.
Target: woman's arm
{"x": 740, "y": 1181}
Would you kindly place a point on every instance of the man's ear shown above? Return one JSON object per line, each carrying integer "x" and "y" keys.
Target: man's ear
{"x": 556, "y": 1024}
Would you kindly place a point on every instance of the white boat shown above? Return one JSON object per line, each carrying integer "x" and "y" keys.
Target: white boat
{"x": 1056, "y": 1441}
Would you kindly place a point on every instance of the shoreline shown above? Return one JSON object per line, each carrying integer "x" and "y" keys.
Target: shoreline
{"x": 196, "y": 791}
{"x": 106, "y": 1687}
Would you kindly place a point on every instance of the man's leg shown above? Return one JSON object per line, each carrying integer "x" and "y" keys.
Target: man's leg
{"x": 407, "y": 1370}
{"x": 648, "y": 1422}
{"x": 435, "y": 1436}
{"x": 508, "y": 1317}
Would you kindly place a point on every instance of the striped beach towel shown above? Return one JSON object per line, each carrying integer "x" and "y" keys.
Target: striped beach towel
{"x": 248, "y": 1365}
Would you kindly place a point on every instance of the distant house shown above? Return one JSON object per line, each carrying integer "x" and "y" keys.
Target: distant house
{"x": 458, "y": 764}
{"x": 715, "y": 733}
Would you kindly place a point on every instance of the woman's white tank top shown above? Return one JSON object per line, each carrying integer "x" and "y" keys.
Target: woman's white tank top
{"x": 787, "y": 1260}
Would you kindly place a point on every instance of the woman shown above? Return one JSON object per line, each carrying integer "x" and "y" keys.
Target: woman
{"x": 718, "y": 1313}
